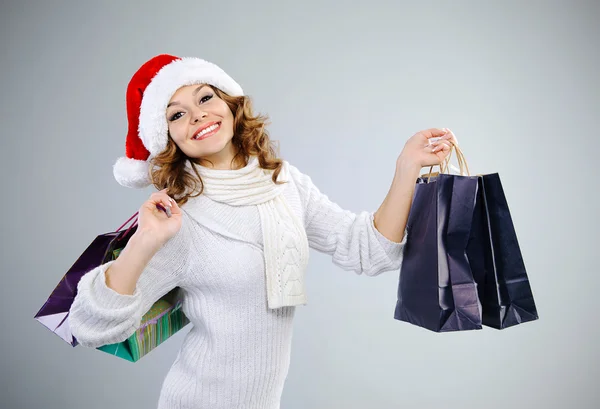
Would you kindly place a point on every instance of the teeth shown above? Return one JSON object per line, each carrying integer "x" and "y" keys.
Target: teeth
{"x": 207, "y": 130}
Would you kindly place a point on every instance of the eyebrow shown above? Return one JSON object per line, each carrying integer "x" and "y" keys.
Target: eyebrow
{"x": 193, "y": 94}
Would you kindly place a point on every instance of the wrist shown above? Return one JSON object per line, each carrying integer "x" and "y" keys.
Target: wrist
{"x": 407, "y": 167}
{"x": 145, "y": 241}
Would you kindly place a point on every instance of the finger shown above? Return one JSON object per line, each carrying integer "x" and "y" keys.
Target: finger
{"x": 166, "y": 210}
{"x": 175, "y": 209}
{"x": 434, "y": 132}
{"x": 160, "y": 197}
{"x": 451, "y": 137}
{"x": 439, "y": 141}
{"x": 165, "y": 200}
{"x": 441, "y": 145}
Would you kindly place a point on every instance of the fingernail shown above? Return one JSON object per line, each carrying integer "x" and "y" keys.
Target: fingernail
{"x": 169, "y": 214}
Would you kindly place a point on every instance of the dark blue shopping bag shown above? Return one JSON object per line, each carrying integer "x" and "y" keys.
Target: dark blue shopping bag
{"x": 462, "y": 265}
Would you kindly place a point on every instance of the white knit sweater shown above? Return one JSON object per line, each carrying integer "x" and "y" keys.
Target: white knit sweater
{"x": 237, "y": 352}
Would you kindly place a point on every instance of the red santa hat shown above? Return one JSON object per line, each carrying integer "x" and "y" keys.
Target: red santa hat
{"x": 148, "y": 94}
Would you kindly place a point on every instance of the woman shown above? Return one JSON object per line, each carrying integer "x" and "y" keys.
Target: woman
{"x": 237, "y": 238}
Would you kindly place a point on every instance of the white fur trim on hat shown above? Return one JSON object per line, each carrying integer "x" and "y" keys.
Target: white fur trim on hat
{"x": 153, "y": 126}
{"x": 132, "y": 173}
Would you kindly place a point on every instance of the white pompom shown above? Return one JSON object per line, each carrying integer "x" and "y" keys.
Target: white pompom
{"x": 132, "y": 173}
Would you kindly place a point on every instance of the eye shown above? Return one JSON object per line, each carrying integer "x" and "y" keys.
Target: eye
{"x": 175, "y": 116}
{"x": 206, "y": 98}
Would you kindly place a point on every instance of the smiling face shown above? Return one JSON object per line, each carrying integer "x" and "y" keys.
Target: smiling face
{"x": 201, "y": 124}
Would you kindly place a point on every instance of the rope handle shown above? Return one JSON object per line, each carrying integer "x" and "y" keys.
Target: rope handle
{"x": 125, "y": 224}
{"x": 445, "y": 164}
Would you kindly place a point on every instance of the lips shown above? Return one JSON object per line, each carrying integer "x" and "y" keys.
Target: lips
{"x": 207, "y": 130}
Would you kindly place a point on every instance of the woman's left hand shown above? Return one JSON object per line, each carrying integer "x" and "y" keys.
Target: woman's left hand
{"x": 420, "y": 151}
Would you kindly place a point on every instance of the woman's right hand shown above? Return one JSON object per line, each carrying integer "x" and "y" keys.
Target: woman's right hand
{"x": 154, "y": 223}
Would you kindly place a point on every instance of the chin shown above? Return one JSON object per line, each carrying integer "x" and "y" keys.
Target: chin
{"x": 209, "y": 147}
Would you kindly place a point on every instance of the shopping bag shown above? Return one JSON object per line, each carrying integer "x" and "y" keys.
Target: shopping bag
{"x": 492, "y": 255}
{"x": 163, "y": 319}
{"x": 55, "y": 310}
{"x": 437, "y": 289}
{"x": 496, "y": 260}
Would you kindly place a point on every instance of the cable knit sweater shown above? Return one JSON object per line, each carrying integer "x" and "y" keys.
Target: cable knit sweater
{"x": 237, "y": 352}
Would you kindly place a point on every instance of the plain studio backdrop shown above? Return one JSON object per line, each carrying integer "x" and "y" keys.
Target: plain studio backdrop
{"x": 345, "y": 86}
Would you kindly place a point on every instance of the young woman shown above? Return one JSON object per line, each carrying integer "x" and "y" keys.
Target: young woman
{"x": 237, "y": 239}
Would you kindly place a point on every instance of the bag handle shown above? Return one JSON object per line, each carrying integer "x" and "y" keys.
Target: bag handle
{"x": 125, "y": 224}
{"x": 445, "y": 165}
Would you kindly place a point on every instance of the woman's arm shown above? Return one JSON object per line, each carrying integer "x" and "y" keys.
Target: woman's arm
{"x": 391, "y": 217}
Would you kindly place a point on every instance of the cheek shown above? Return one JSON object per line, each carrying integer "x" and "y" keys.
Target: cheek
{"x": 222, "y": 109}
{"x": 227, "y": 116}
{"x": 228, "y": 122}
{"x": 177, "y": 132}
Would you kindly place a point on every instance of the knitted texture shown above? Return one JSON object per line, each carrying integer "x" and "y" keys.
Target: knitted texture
{"x": 236, "y": 354}
{"x": 284, "y": 238}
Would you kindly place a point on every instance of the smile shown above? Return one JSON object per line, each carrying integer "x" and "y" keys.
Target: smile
{"x": 207, "y": 131}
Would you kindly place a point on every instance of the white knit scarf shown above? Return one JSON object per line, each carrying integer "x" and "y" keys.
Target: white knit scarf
{"x": 284, "y": 238}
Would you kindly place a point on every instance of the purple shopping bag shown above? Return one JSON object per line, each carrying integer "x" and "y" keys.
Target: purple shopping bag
{"x": 54, "y": 312}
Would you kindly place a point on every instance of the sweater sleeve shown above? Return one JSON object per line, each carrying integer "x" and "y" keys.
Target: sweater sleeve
{"x": 101, "y": 316}
{"x": 350, "y": 238}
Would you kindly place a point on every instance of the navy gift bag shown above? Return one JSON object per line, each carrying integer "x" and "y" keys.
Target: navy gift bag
{"x": 462, "y": 265}
{"x": 496, "y": 260}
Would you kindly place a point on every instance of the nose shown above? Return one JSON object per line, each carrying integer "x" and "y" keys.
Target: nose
{"x": 198, "y": 115}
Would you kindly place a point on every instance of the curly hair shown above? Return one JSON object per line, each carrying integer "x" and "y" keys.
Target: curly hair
{"x": 168, "y": 169}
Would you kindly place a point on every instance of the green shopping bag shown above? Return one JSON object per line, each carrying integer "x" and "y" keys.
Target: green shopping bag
{"x": 163, "y": 320}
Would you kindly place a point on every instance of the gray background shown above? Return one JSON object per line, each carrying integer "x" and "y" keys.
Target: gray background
{"x": 345, "y": 86}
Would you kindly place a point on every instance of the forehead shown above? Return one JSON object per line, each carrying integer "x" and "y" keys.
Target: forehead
{"x": 189, "y": 90}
